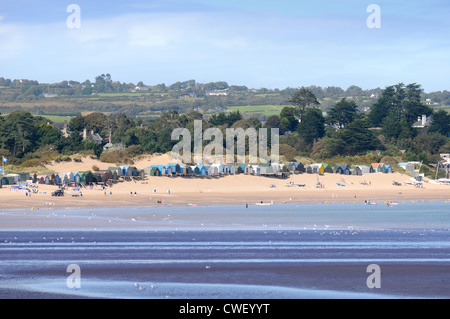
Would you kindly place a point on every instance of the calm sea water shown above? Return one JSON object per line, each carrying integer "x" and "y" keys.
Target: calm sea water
{"x": 289, "y": 251}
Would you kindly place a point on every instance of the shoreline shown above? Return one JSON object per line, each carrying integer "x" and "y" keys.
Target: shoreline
{"x": 230, "y": 190}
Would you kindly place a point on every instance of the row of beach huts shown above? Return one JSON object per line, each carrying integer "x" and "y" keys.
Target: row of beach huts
{"x": 265, "y": 169}
{"x": 106, "y": 177}
{"x": 126, "y": 172}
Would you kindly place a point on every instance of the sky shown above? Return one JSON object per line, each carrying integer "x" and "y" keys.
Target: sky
{"x": 271, "y": 44}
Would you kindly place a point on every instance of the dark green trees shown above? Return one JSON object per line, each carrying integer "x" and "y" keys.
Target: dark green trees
{"x": 302, "y": 100}
{"x": 397, "y": 109}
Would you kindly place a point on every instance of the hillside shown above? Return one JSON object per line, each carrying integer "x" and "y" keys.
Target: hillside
{"x": 70, "y": 98}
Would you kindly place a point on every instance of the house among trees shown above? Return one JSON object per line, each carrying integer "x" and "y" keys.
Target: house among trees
{"x": 217, "y": 92}
{"x": 63, "y": 127}
{"x": 93, "y": 137}
{"x": 423, "y": 121}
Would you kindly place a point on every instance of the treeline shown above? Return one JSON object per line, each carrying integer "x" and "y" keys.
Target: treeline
{"x": 386, "y": 131}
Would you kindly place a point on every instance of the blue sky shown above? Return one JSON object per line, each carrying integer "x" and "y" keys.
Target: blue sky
{"x": 273, "y": 44}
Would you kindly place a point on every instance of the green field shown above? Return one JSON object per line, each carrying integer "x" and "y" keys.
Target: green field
{"x": 442, "y": 107}
{"x": 266, "y": 110}
{"x": 57, "y": 118}
{"x": 135, "y": 94}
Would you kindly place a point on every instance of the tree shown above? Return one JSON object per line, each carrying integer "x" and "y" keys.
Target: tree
{"x": 77, "y": 124}
{"x": 97, "y": 122}
{"x": 357, "y": 138}
{"x": 302, "y": 100}
{"x": 441, "y": 123}
{"x": 312, "y": 126}
{"x": 342, "y": 113}
{"x": 273, "y": 121}
{"x": 399, "y": 102}
{"x": 18, "y": 133}
{"x": 288, "y": 122}
{"x": 49, "y": 135}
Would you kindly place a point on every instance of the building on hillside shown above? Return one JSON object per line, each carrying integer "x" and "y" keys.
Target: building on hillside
{"x": 91, "y": 136}
{"x": 423, "y": 121}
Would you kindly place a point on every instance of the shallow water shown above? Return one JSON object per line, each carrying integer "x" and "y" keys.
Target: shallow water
{"x": 289, "y": 251}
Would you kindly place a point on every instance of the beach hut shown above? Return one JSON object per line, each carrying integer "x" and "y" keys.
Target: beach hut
{"x": 329, "y": 169}
{"x": 23, "y": 177}
{"x": 201, "y": 170}
{"x": 276, "y": 167}
{"x": 284, "y": 168}
{"x": 387, "y": 169}
{"x": 266, "y": 169}
{"x": 345, "y": 169}
{"x": 171, "y": 169}
{"x": 155, "y": 170}
{"x": 309, "y": 169}
{"x": 58, "y": 180}
{"x": 40, "y": 179}
{"x": 185, "y": 170}
{"x": 13, "y": 178}
{"x": 62, "y": 179}
{"x": 87, "y": 177}
{"x": 126, "y": 170}
{"x": 355, "y": 170}
{"x": 318, "y": 168}
{"x": 292, "y": 167}
{"x": 249, "y": 169}
{"x": 76, "y": 178}
{"x": 116, "y": 171}
{"x": 375, "y": 167}
{"x": 4, "y": 181}
{"x": 104, "y": 176}
{"x": 213, "y": 170}
{"x": 134, "y": 171}
{"x": 46, "y": 179}
{"x": 365, "y": 169}
{"x": 66, "y": 178}
{"x": 297, "y": 167}
{"x": 239, "y": 169}
{"x": 256, "y": 170}
{"x": 220, "y": 168}
{"x": 228, "y": 169}
{"x": 407, "y": 166}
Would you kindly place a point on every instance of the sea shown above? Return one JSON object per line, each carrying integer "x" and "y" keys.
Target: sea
{"x": 280, "y": 251}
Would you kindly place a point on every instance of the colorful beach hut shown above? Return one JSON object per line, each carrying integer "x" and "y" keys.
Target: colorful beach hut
{"x": 201, "y": 170}
{"x": 376, "y": 167}
{"x": 77, "y": 178}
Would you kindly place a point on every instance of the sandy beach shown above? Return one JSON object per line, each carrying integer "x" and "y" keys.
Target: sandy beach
{"x": 232, "y": 189}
